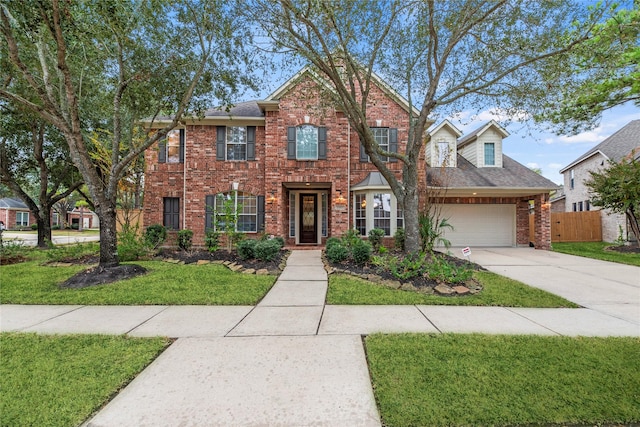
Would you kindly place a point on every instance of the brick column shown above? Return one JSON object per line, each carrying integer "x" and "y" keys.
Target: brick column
{"x": 522, "y": 223}
{"x": 542, "y": 214}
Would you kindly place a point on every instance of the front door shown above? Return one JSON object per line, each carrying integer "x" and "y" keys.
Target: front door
{"x": 308, "y": 220}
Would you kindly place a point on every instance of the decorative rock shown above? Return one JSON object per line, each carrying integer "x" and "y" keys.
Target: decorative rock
{"x": 249, "y": 271}
{"x": 374, "y": 278}
{"x": 60, "y": 264}
{"x": 218, "y": 262}
{"x": 227, "y": 263}
{"x": 407, "y": 287}
{"x": 203, "y": 262}
{"x": 426, "y": 290}
{"x": 444, "y": 290}
{"x": 262, "y": 272}
{"x": 461, "y": 290}
{"x": 236, "y": 267}
{"x": 393, "y": 284}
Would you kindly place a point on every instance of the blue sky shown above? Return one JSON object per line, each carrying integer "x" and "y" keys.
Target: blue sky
{"x": 537, "y": 148}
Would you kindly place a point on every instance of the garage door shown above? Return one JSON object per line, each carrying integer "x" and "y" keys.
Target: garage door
{"x": 481, "y": 225}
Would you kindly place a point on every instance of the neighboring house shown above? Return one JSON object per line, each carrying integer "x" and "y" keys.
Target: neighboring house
{"x": 15, "y": 214}
{"x": 558, "y": 200}
{"x": 577, "y": 198}
{"x": 485, "y": 195}
{"x": 296, "y": 169}
{"x": 83, "y": 216}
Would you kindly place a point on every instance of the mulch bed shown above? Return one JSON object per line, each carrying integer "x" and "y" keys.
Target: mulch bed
{"x": 422, "y": 282}
{"x": 624, "y": 249}
{"x": 101, "y": 276}
{"x": 190, "y": 257}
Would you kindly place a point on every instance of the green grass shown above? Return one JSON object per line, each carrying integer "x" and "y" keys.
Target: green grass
{"x": 61, "y": 380}
{"x": 85, "y": 232}
{"x": 596, "y": 250}
{"x": 498, "y": 291}
{"x": 455, "y": 380}
{"x": 164, "y": 284}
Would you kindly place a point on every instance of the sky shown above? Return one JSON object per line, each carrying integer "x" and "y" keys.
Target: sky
{"x": 536, "y": 148}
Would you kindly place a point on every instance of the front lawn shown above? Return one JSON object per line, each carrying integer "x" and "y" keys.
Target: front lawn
{"x": 596, "y": 250}
{"x": 61, "y": 380}
{"x": 164, "y": 284}
{"x": 464, "y": 380}
{"x": 498, "y": 291}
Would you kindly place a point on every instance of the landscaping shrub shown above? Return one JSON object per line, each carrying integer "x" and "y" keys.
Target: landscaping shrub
{"x": 361, "y": 252}
{"x": 399, "y": 238}
{"x": 55, "y": 227}
{"x": 337, "y": 252}
{"x": 441, "y": 270}
{"x": 267, "y": 250}
{"x": 34, "y": 226}
{"x": 70, "y": 252}
{"x": 280, "y": 241}
{"x": 375, "y": 238}
{"x": 185, "y": 239}
{"x": 155, "y": 235}
{"x": 212, "y": 240}
{"x": 332, "y": 241}
{"x": 410, "y": 266}
{"x": 246, "y": 248}
{"x": 350, "y": 238}
{"x": 130, "y": 246}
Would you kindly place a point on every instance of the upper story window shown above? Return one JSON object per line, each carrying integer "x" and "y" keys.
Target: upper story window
{"x": 571, "y": 179}
{"x": 171, "y": 149}
{"x": 387, "y": 139}
{"x": 443, "y": 153}
{"x": 306, "y": 142}
{"x": 489, "y": 154}
{"x": 236, "y": 143}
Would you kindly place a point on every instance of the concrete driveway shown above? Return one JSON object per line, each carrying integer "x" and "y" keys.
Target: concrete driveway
{"x": 607, "y": 287}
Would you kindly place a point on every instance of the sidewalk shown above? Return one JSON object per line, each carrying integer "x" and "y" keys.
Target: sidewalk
{"x": 291, "y": 360}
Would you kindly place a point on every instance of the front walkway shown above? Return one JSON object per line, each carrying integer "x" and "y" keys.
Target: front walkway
{"x": 291, "y": 360}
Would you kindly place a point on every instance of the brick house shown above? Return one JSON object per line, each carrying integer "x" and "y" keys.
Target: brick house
{"x": 297, "y": 170}
{"x": 623, "y": 143}
{"x": 15, "y": 214}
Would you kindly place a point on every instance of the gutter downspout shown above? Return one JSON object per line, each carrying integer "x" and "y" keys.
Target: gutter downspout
{"x": 348, "y": 174}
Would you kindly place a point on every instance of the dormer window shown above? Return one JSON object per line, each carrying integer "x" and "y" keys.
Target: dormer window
{"x": 489, "y": 154}
{"x": 443, "y": 153}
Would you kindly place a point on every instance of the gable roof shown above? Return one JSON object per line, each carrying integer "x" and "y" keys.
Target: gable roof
{"x": 12, "y": 203}
{"x": 482, "y": 129}
{"x": 374, "y": 180}
{"x": 240, "y": 110}
{"x": 616, "y": 147}
{"x": 446, "y": 123}
{"x": 384, "y": 86}
{"x": 513, "y": 179}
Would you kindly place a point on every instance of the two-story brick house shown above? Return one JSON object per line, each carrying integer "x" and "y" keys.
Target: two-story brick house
{"x": 291, "y": 162}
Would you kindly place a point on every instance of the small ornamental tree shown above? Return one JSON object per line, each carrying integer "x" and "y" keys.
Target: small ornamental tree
{"x": 617, "y": 188}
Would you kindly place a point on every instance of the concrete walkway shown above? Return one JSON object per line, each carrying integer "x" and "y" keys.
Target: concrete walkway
{"x": 291, "y": 360}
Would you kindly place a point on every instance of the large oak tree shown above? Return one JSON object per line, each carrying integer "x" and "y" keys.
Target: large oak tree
{"x": 107, "y": 64}
{"x": 444, "y": 56}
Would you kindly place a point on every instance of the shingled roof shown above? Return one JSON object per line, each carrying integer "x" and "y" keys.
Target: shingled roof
{"x": 512, "y": 175}
{"x": 12, "y": 203}
{"x": 616, "y": 147}
{"x": 241, "y": 109}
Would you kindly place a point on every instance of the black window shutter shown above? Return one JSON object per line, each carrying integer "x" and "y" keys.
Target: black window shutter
{"x": 171, "y": 214}
{"x": 393, "y": 143}
{"x": 162, "y": 151}
{"x": 181, "y": 145}
{"x": 251, "y": 142}
{"x": 260, "y": 213}
{"x": 322, "y": 143}
{"x": 175, "y": 208}
{"x": 221, "y": 142}
{"x": 208, "y": 212}
{"x": 291, "y": 142}
{"x": 363, "y": 154}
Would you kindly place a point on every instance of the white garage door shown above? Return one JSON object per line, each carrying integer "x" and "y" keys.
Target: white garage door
{"x": 481, "y": 225}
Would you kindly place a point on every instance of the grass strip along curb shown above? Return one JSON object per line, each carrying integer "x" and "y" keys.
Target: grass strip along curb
{"x": 61, "y": 380}
{"x": 456, "y": 380}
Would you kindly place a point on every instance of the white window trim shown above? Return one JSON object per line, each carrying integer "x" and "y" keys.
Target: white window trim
{"x": 484, "y": 154}
{"x": 227, "y": 143}
{"x": 235, "y": 204}
{"x": 308, "y": 159}
{"x": 369, "y": 219}
{"x": 22, "y": 215}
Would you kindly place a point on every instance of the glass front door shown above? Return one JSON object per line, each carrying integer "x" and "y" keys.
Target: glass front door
{"x": 308, "y": 218}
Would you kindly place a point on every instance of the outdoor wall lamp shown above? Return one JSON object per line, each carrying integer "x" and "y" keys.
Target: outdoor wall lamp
{"x": 340, "y": 200}
{"x": 271, "y": 198}
{"x": 235, "y": 186}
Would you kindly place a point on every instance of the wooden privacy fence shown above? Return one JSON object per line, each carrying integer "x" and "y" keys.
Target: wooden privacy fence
{"x": 131, "y": 216}
{"x": 572, "y": 227}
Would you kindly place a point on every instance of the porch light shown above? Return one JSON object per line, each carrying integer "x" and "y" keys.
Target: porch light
{"x": 271, "y": 198}
{"x": 235, "y": 186}
{"x": 340, "y": 200}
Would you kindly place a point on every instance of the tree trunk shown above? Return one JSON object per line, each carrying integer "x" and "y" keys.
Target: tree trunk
{"x": 43, "y": 219}
{"x": 108, "y": 237}
{"x": 633, "y": 222}
{"x": 411, "y": 211}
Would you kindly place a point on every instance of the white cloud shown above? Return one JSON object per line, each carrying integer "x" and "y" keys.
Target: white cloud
{"x": 533, "y": 165}
{"x": 555, "y": 166}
